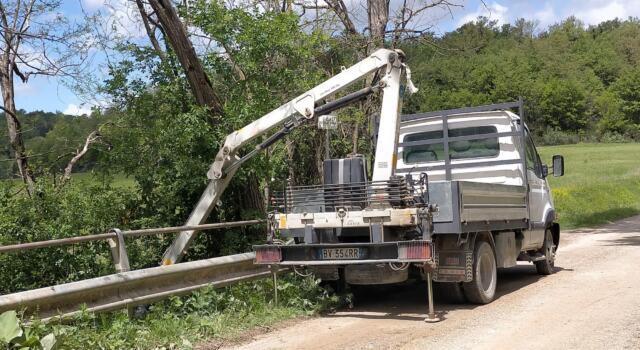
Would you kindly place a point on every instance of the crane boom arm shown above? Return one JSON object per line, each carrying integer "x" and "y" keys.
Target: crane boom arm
{"x": 302, "y": 107}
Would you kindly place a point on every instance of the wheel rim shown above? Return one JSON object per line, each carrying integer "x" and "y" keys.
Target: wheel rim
{"x": 486, "y": 269}
{"x": 550, "y": 250}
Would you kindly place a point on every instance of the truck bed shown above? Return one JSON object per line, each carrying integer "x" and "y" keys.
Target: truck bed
{"x": 465, "y": 206}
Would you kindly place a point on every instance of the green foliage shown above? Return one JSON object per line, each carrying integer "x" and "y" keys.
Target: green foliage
{"x": 72, "y": 211}
{"x": 14, "y": 336}
{"x": 563, "y": 105}
{"x": 627, "y": 89}
{"x": 50, "y": 138}
{"x": 9, "y": 327}
{"x": 211, "y": 315}
{"x": 574, "y": 80}
{"x": 580, "y": 85}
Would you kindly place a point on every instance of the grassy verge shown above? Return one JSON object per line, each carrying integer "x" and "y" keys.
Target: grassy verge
{"x": 205, "y": 319}
{"x": 601, "y": 183}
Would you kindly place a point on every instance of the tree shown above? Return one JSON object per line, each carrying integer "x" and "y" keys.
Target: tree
{"x": 627, "y": 89}
{"x": 176, "y": 34}
{"x": 34, "y": 43}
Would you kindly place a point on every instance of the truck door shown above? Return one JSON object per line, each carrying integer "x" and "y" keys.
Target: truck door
{"x": 537, "y": 194}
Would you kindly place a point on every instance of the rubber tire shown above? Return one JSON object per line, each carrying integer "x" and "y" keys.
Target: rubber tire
{"x": 479, "y": 291}
{"x": 546, "y": 266}
{"x": 449, "y": 292}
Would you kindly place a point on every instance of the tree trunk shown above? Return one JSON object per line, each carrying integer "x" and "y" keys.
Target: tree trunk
{"x": 378, "y": 11}
{"x": 13, "y": 126}
{"x": 199, "y": 82}
{"x": 150, "y": 31}
{"x": 252, "y": 199}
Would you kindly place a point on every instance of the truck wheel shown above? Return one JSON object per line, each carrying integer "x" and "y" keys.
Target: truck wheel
{"x": 545, "y": 267}
{"x": 482, "y": 289}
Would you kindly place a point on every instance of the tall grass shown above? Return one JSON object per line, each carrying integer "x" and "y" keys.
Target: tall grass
{"x": 601, "y": 183}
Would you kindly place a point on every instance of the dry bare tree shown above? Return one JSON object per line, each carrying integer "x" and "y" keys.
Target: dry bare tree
{"x": 36, "y": 40}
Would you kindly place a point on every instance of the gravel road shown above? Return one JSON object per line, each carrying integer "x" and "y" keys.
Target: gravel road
{"x": 591, "y": 302}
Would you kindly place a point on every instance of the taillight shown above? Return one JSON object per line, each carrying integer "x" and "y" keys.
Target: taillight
{"x": 414, "y": 250}
{"x": 265, "y": 255}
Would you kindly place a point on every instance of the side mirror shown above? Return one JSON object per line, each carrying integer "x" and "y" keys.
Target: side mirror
{"x": 558, "y": 165}
{"x": 545, "y": 171}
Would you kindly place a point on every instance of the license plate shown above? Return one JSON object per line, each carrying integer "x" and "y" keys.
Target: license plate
{"x": 340, "y": 253}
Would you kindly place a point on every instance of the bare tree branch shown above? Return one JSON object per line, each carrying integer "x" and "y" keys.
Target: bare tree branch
{"x": 150, "y": 31}
{"x": 91, "y": 139}
{"x": 340, "y": 9}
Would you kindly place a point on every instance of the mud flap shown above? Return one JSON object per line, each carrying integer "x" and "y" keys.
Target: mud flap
{"x": 453, "y": 266}
{"x": 555, "y": 232}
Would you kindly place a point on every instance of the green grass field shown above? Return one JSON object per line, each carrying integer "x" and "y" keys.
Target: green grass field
{"x": 119, "y": 180}
{"x": 601, "y": 183}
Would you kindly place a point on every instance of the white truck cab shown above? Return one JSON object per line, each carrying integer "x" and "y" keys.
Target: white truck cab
{"x": 495, "y": 158}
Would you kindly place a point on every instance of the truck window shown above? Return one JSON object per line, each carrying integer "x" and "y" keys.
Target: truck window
{"x": 463, "y": 149}
{"x": 533, "y": 160}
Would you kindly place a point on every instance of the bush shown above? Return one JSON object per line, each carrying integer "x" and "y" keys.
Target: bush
{"x": 613, "y": 137}
{"x": 208, "y": 315}
{"x": 58, "y": 213}
{"x": 553, "y": 137}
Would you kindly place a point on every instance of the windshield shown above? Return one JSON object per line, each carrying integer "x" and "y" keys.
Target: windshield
{"x": 460, "y": 149}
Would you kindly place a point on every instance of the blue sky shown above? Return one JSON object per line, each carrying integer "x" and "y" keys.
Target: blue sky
{"x": 48, "y": 94}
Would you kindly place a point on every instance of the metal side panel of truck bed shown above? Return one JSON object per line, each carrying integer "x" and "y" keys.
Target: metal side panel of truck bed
{"x": 465, "y": 206}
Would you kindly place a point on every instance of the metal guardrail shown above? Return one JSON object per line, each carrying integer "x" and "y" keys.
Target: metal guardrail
{"x": 129, "y": 288}
{"x": 137, "y": 287}
{"x": 129, "y": 233}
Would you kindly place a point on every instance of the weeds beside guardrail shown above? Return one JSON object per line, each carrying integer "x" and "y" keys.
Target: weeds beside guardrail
{"x": 129, "y": 288}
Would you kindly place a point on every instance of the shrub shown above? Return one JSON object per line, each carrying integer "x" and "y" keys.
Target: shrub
{"x": 58, "y": 213}
{"x": 552, "y": 137}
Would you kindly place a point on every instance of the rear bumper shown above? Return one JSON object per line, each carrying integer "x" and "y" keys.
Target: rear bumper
{"x": 368, "y": 253}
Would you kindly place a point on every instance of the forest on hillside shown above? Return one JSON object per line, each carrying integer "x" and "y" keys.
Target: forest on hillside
{"x": 50, "y": 137}
{"x": 580, "y": 84}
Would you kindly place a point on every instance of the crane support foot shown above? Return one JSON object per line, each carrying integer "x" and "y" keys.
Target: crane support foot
{"x": 431, "y": 315}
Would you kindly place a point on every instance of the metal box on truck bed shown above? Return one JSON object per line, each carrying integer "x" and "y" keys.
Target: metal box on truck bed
{"x": 465, "y": 206}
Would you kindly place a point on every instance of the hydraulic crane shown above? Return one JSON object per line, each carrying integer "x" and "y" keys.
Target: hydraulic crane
{"x": 390, "y": 66}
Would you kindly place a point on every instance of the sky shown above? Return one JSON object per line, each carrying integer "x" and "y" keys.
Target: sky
{"x": 49, "y": 94}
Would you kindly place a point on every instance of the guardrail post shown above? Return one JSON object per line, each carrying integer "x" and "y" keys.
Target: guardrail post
{"x": 274, "y": 273}
{"x": 119, "y": 251}
{"x": 120, "y": 259}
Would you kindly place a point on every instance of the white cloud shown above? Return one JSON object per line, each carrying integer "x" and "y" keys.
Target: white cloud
{"x": 120, "y": 17}
{"x": 546, "y": 17}
{"x": 73, "y": 109}
{"x": 594, "y": 12}
{"x": 493, "y": 11}
{"x": 23, "y": 89}
{"x": 93, "y": 4}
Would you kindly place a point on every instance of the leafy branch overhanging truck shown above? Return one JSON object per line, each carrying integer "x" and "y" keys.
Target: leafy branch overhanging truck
{"x": 453, "y": 195}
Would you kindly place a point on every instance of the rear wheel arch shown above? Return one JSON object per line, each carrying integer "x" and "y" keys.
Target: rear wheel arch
{"x": 484, "y": 236}
{"x": 549, "y": 220}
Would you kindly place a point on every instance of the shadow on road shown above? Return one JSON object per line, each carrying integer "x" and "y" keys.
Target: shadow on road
{"x": 625, "y": 226}
{"x": 628, "y": 240}
{"x": 408, "y": 301}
